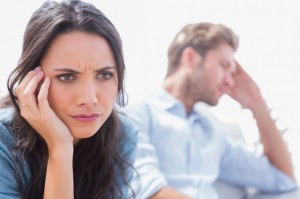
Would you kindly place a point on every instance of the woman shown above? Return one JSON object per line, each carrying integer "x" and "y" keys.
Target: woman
{"x": 60, "y": 135}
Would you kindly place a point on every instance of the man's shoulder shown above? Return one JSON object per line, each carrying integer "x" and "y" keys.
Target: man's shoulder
{"x": 138, "y": 107}
{"x": 158, "y": 100}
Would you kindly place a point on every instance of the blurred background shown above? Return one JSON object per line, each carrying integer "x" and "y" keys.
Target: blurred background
{"x": 269, "y": 50}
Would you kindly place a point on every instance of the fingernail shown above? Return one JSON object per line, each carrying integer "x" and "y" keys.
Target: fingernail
{"x": 37, "y": 68}
{"x": 47, "y": 80}
{"x": 39, "y": 73}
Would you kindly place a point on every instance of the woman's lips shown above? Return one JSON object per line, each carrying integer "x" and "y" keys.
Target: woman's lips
{"x": 86, "y": 117}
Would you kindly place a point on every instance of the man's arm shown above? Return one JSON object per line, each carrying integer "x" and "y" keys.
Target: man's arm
{"x": 247, "y": 93}
{"x": 271, "y": 138}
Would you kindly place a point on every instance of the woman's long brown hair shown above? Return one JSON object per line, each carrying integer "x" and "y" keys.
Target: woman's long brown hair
{"x": 100, "y": 167}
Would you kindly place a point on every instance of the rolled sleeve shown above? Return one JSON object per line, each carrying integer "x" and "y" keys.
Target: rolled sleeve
{"x": 150, "y": 179}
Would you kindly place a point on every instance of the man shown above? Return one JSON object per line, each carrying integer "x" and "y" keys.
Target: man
{"x": 182, "y": 150}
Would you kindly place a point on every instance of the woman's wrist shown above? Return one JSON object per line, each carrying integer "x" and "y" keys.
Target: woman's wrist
{"x": 61, "y": 151}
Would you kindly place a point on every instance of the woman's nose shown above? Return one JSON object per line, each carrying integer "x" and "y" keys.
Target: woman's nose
{"x": 87, "y": 95}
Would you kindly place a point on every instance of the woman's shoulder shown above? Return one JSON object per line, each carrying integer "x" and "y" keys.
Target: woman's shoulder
{"x": 6, "y": 114}
{"x": 5, "y": 120}
{"x": 8, "y": 163}
{"x": 127, "y": 126}
{"x": 127, "y": 148}
{"x": 129, "y": 134}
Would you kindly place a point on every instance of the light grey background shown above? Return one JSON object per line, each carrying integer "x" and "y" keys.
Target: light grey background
{"x": 269, "y": 33}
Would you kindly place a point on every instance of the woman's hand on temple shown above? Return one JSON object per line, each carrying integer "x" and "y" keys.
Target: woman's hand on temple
{"x": 35, "y": 109}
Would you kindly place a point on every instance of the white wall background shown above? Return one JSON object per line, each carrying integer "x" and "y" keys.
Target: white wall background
{"x": 269, "y": 50}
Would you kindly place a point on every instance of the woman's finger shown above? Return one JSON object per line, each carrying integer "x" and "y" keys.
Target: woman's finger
{"x": 21, "y": 87}
{"x": 43, "y": 95}
{"x": 29, "y": 93}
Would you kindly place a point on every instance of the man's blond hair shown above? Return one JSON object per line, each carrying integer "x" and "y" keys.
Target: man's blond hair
{"x": 202, "y": 37}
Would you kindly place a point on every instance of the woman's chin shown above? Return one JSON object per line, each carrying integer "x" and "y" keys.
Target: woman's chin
{"x": 83, "y": 134}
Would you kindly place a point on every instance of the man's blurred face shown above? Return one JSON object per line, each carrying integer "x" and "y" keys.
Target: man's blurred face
{"x": 214, "y": 74}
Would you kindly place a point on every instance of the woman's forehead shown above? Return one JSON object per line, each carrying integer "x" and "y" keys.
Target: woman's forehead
{"x": 80, "y": 50}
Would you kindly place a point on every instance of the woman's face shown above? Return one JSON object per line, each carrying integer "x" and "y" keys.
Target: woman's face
{"x": 84, "y": 81}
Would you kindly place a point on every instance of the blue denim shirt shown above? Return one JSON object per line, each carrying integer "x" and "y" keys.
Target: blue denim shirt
{"x": 8, "y": 183}
{"x": 189, "y": 153}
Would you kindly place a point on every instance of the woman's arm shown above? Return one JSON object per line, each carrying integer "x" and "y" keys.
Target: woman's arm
{"x": 37, "y": 111}
{"x": 59, "y": 175}
{"x": 168, "y": 192}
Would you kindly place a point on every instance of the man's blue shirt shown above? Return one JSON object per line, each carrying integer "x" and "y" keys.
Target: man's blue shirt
{"x": 189, "y": 153}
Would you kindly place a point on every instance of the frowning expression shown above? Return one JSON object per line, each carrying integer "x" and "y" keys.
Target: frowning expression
{"x": 84, "y": 81}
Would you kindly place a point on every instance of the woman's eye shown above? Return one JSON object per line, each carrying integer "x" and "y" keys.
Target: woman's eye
{"x": 105, "y": 75}
{"x": 66, "y": 77}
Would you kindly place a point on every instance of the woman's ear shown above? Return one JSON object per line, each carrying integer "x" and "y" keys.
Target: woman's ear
{"x": 190, "y": 57}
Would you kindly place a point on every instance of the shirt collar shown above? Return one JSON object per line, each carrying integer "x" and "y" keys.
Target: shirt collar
{"x": 165, "y": 101}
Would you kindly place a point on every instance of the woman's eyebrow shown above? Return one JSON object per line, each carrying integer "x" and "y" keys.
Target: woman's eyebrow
{"x": 69, "y": 70}
{"x": 106, "y": 68}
